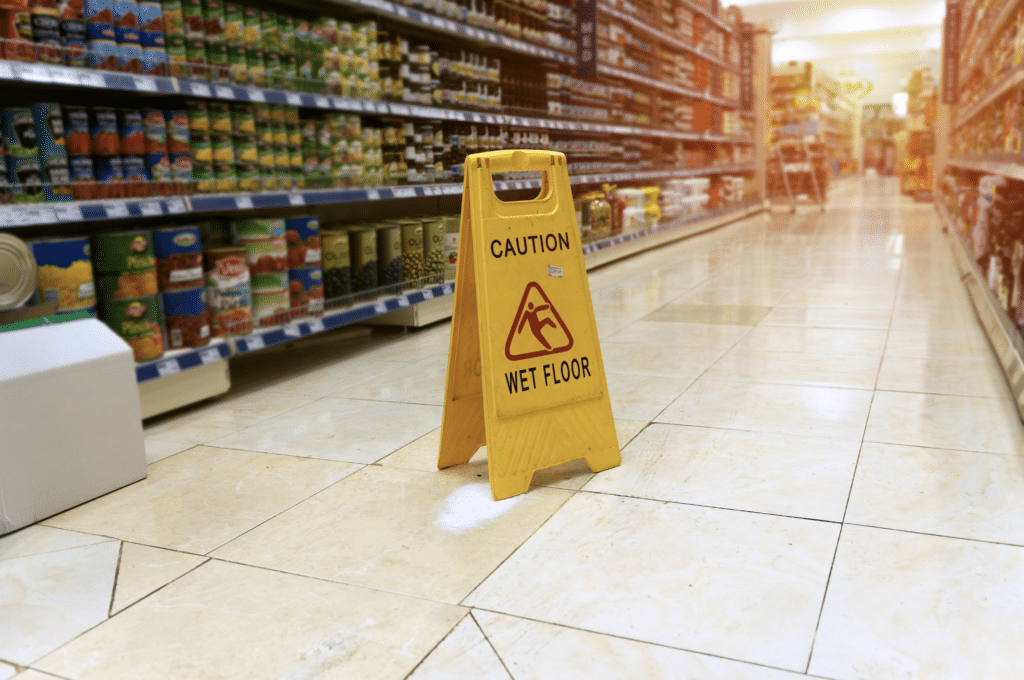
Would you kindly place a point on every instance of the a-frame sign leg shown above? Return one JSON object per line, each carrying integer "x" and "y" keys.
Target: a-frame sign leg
{"x": 462, "y": 426}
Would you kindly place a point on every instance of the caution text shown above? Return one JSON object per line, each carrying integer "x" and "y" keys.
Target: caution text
{"x": 528, "y": 245}
{"x": 547, "y": 375}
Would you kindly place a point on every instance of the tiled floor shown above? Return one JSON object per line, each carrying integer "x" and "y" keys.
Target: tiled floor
{"x": 822, "y": 473}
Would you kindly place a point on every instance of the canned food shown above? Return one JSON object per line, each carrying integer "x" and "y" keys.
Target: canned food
{"x": 126, "y": 285}
{"x": 223, "y": 149}
{"x": 363, "y": 254}
{"x": 243, "y": 119}
{"x": 177, "y": 132}
{"x": 19, "y": 281}
{"x": 268, "y": 281}
{"x": 26, "y": 174}
{"x": 433, "y": 247}
{"x": 104, "y": 132}
{"x": 202, "y": 148}
{"x": 20, "y": 133}
{"x": 268, "y": 256}
{"x": 306, "y": 291}
{"x": 136, "y": 177}
{"x": 158, "y": 165}
{"x": 64, "y": 272}
{"x": 98, "y": 11}
{"x": 49, "y": 127}
{"x": 83, "y": 178}
{"x": 137, "y": 321}
{"x": 129, "y": 56}
{"x": 187, "y": 317}
{"x": 303, "y": 237}
{"x": 217, "y": 234}
{"x": 182, "y": 173}
{"x": 76, "y": 130}
{"x": 203, "y": 178}
{"x": 151, "y": 17}
{"x": 229, "y": 297}
{"x": 125, "y": 251}
{"x": 125, "y": 13}
{"x": 336, "y": 266}
{"x": 249, "y": 178}
{"x": 177, "y": 57}
{"x": 109, "y": 176}
{"x": 220, "y": 117}
{"x": 192, "y": 16}
{"x": 246, "y": 149}
{"x": 257, "y": 230}
{"x": 102, "y": 43}
{"x": 154, "y": 59}
{"x": 213, "y": 24}
{"x": 233, "y": 34}
{"x": 198, "y": 116}
{"x": 270, "y": 308}
{"x": 389, "y": 254}
{"x": 154, "y": 128}
{"x": 225, "y": 177}
{"x": 56, "y": 177}
{"x": 174, "y": 23}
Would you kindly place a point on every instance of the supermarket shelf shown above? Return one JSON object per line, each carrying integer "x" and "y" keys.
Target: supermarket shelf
{"x": 181, "y": 360}
{"x": 419, "y": 19}
{"x": 995, "y": 27}
{"x": 1004, "y": 163}
{"x": 1005, "y": 84}
{"x": 658, "y": 85}
{"x": 617, "y": 247}
{"x": 708, "y": 15}
{"x": 74, "y": 212}
{"x": 663, "y": 37}
{"x": 77, "y": 77}
{"x": 1005, "y": 339}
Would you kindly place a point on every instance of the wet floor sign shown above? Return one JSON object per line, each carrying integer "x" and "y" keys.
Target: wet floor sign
{"x": 525, "y": 376}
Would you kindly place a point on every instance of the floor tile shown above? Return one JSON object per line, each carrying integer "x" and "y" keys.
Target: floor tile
{"x": 342, "y": 375}
{"x": 157, "y": 450}
{"x": 674, "y": 335}
{"x": 202, "y": 498}
{"x": 465, "y": 653}
{"x": 642, "y": 397}
{"x": 776, "y": 474}
{"x": 935, "y": 491}
{"x": 31, "y": 674}
{"x": 720, "y": 586}
{"x": 205, "y": 423}
{"x": 7, "y": 671}
{"x": 422, "y": 455}
{"x": 664, "y": 361}
{"x": 232, "y": 621}
{"x": 814, "y": 340}
{"x": 783, "y": 409}
{"x": 38, "y": 540}
{"x": 909, "y": 606}
{"x": 838, "y": 297}
{"x": 735, "y": 315}
{"x": 955, "y": 342}
{"x": 829, "y": 317}
{"x": 425, "y": 534}
{"x": 143, "y": 569}
{"x": 338, "y": 429}
{"x": 945, "y": 422}
{"x": 713, "y": 295}
{"x": 539, "y": 651}
{"x": 798, "y": 368}
{"x": 49, "y": 599}
{"x": 419, "y": 383}
{"x": 938, "y": 374}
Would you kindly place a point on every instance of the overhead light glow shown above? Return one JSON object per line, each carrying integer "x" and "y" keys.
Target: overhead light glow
{"x": 794, "y": 50}
{"x": 899, "y": 104}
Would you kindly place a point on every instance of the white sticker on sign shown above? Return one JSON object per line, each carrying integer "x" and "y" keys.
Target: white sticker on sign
{"x": 243, "y": 202}
{"x": 293, "y": 99}
{"x": 292, "y": 330}
{"x": 115, "y": 210}
{"x": 380, "y": 308}
{"x": 255, "y": 342}
{"x": 209, "y": 355}
{"x": 554, "y": 271}
{"x": 428, "y": 294}
{"x": 316, "y": 326}
{"x": 169, "y": 367}
{"x": 296, "y": 199}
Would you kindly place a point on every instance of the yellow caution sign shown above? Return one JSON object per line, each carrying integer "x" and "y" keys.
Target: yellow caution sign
{"x": 525, "y": 376}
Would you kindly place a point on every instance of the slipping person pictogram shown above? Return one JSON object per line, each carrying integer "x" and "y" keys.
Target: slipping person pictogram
{"x": 537, "y": 311}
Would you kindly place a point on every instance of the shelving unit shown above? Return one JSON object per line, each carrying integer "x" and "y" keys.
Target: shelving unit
{"x": 182, "y": 376}
{"x": 978, "y": 196}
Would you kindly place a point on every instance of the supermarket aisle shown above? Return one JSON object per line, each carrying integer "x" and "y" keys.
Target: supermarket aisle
{"x": 821, "y": 474}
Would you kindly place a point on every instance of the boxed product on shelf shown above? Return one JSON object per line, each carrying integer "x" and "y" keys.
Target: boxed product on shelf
{"x": 363, "y": 255}
{"x": 228, "y": 294}
{"x": 412, "y": 249}
{"x": 306, "y": 291}
{"x": 389, "y": 254}
{"x": 336, "y": 263}
{"x": 302, "y": 235}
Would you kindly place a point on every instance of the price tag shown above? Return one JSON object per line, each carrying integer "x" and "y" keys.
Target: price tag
{"x": 293, "y": 99}
{"x": 380, "y": 308}
{"x": 296, "y": 199}
{"x": 339, "y": 102}
{"x": 316, "y": 326}
{"x": 400, "y": 110}
{"x": 322, "y": 102}
{"x": 209, "y": 355}
{"x": 243, "y": 202}
{"x": 292, "y": 331}
{"x": 254, "y": 342}
{"x": 452, "y": 189}
{"x": 168, "y": 367}
{"x": 151, "y": 208}
{"x": 446, "y": 289}
{"x": 68, "y": 213}
{"x": 256, "y": 95}
{"x": 6, "y": 73}
{"x": 428, "y": 294}
{"x": 176, "y": 206}
{"x": 63, "y": 76}
{"x": 200, "y": 89}
{"x": 33, "y": 72}
{"x": 39, "y": 216}
{"x": 430, "y": 191}
{"x": 115, "y": 210}
{"x": 144, "y": 84}
{"x": 404, "y": 192}
{"x": 224, "y": 92}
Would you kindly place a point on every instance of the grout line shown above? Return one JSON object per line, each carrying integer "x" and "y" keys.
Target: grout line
{"x": 493, "y": 648}
{"x": 432, "y": 649}
{"x": 117, "y": 574}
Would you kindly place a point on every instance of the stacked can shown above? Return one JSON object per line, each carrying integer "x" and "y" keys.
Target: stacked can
{"x": 64, "y": 273}
{"x": 73, "y": 34}
{"x": 201, "y": 145}
{"x": 433, "y": 247}
{"x": 174, "y": 35}
{"x": 309, "y": 56}
{"x": 23, "y": 169}
{"x": 252, "y": 30}
{"x": 363, "y": 256}
{"x": 267, "y": 255}
{"x": 228, "y": 295}
{"x": 46, "y": 31}
{"x": 389, "y": 253}
{"x": 289, "y": 61}
{"x": 194, "y": 39}
{"x": 266, "y": 153}
{"x": 270, "y": 37}
{"x": 412, "y": 249}
{"x": 126, "y": 31}
{"x": 216, "y": 46}
{"x": 101, "y": 38}
{"x": 78, "y": 143}
{"x": 234, "y": 43}
{"x": 126, "y": 290}
{"x": 6, "y": 190}
{"x": 53, "y": 155}
{"x": 179, "y": 265}
{"x": 154, "y": 40}
{"x": 246, "y": 155}
{"x": 337, "y": 268}
{"x": 132, "y": 134}
{"x": 179, "y": 151}
{"x": 305, "y": 273}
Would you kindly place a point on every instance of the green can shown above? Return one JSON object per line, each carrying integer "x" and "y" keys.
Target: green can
{"x": 225, "y": 177}
{"x": 286, "y": 34}
{"x": 233, "y": 26}
{"x": 125, "y": 251}
{"x": 270, "y": 31}
{"x": 249, "y": 178}
{"x": 137, "y": 321}
{"x": 272, "y": 69}
{"x": 264, "y": 132}
{"x": 294, "y": 134}
{"x": 257, "y": 230}
{"x": 177, "y": 55}
{"x": 267, "y": 159}
{"x": 202, "y": 175}
{"x": 389, "y": 254}
{"x": 282, "y": 157}
{"x": 272, "y": 281}
{"x": 223, "y": 149}
{"x": 202, "y": 149}
{"x": 280, "y": 133}
{"x": 433, "y": 247}
{"x": 237, "y": 64}
{"x": 295, "y": 154}
{"x": 246, "y": 149}
{"x": 220, "y": 117}
{"x": 363, "y": 253}
{"x": 243, "y": 119}
{"x": 289, "y": 69}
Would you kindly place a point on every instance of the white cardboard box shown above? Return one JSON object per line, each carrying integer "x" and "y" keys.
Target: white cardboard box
{"x": 70, "y": 423}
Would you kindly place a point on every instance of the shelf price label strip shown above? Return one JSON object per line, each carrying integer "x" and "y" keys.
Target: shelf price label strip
{"x": 184, "y": 361}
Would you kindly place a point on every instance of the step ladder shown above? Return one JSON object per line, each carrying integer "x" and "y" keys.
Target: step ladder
{"x": 796, "y": 161}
